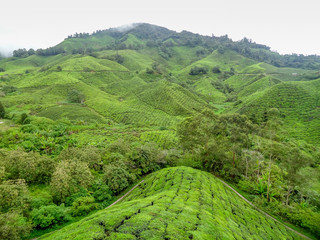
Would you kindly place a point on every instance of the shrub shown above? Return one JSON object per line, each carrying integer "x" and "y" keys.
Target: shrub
{"x": 50, "y": 215}
{"x": 198, "y": 70}
{"x": 74, "y": 96}
{"x": 82, "y": 193}
{"x": 23, "y": 119}
{"x": 101, "y": 192}
{"x": 216, "y": 70}
{"x": 43, "y": 200}
{"x": 83, "y": 205}
{"x": 9, "y": 89}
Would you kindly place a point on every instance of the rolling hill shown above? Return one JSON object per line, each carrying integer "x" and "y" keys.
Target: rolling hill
{"x": 177, "y": 203}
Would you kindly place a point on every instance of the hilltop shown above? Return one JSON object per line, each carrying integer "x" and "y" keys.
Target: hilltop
{"x": 177, "y": 203}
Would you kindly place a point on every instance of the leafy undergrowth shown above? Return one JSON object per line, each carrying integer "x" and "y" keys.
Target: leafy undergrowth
{"x": 177, "y": 203}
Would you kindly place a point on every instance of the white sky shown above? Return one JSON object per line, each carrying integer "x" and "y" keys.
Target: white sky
{"x": 286, "y": 26}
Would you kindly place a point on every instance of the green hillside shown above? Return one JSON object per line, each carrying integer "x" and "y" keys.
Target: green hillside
{"x": 177, "y": 203}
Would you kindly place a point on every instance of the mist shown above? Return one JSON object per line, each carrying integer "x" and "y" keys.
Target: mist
{"x": 127, "y": 27}
{"x": 6, "y": 51}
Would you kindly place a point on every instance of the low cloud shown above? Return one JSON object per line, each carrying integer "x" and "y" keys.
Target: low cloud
{"x": 6, "y": 52}
{"x": 127, "y": 27}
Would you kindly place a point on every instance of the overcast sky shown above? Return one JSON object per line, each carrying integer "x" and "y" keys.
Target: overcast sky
{"x": 286, "y": 26}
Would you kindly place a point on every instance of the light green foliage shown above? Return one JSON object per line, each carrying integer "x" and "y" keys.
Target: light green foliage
{"x": 40, "y": 198}
{"x": 72, "y": 112}
{"x": 88, "y": 155}
{"x": 68, "y": 178}
{"x": 13, "y": 226}
{"x": 83, "y": 205}
{"x": 32, "y": 167}
{"x": 117, "y": 176}
{"x": 164, "y": 138}
{"x": 14, "y": 195}
{"x": 50, "y": 215}
{"x": 178, "y": 203}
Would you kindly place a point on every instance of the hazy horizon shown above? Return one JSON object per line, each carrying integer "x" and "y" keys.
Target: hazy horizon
{"x": 284, "y": 26}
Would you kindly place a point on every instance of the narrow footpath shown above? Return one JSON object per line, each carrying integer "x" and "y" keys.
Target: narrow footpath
{"x": 125, "y": 194}
{"x": 263, "y": 212}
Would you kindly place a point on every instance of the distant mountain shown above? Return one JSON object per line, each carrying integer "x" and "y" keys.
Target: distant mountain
{"x": 148, "y": 74}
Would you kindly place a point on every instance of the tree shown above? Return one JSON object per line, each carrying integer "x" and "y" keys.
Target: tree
{"x": 2, "y": 111}
{"x": 32, "y": 167}
{"x": 74, "y": 96}
{"x": 89, "y": 155}
{"x": 204, "y": 136}
{"x": 101, "y": 192}
{"x": 198, "y": 70}
{"x": 146, "y": 158}
{"x": 238, "y": 128}
{"x": 270, "y": 131}
{"x": 21, "y": 52}
{"x": 13, "y": 226}
{"x": 216, "y": 70}
{"x": 117, "y": 176}
{"x": 68, "y": 178}
{"x": 31, "y": 51}
{"x": 14, "y": 195}
{"x": 295, "y": 161}
{"x": 253, "y": 160}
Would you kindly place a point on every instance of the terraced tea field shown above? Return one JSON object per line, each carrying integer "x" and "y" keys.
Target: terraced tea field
{"x": 177, "y": 203}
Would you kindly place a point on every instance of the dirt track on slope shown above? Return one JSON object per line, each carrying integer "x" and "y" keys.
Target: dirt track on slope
{"x": 263, "y": 212}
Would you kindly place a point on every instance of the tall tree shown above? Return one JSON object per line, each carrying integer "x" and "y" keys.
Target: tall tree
{"x": 270, "y": 131}
{"x": 68, "y": 178}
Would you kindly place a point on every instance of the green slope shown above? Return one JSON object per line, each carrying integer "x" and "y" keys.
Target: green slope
{"x": 298, "y": 103}
{"x": 177, "y": 203}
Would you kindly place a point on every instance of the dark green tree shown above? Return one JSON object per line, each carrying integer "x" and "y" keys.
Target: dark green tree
{"x": 74, "y": 96}
{"x": 2, "y": 111}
